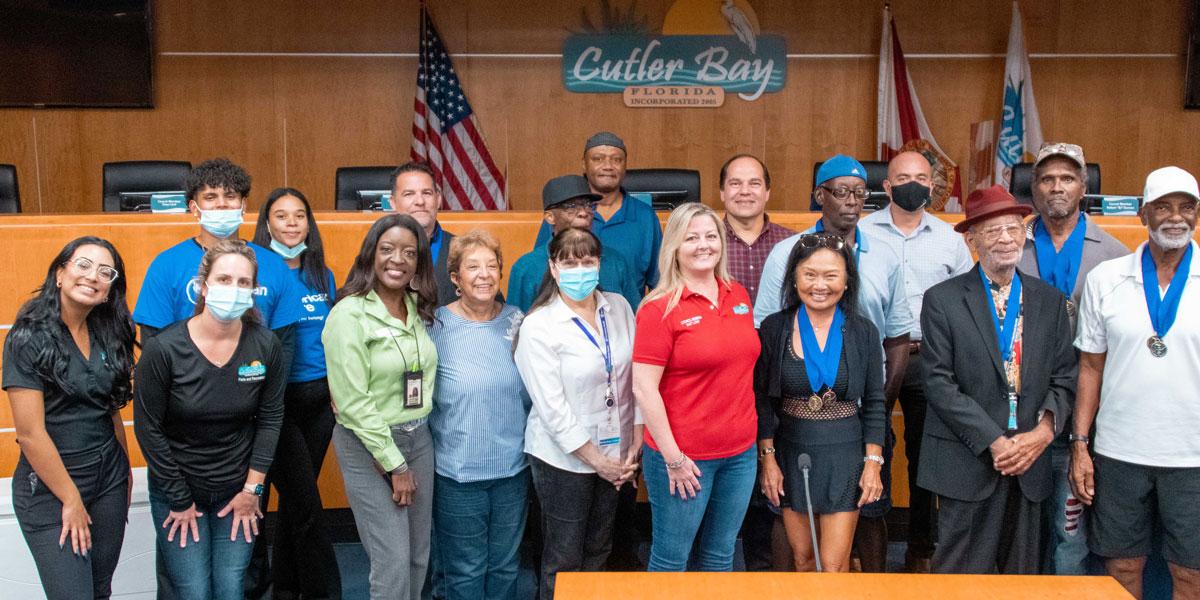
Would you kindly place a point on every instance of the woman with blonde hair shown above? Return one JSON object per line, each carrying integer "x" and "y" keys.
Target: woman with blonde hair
{"x": 694, "y": 355}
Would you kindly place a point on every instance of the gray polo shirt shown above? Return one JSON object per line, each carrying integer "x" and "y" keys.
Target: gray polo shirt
{"x": 1098, "y": 246}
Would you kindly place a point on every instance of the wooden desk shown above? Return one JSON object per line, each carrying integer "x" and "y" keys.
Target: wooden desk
{"x": 27, "y": 243}
{"x": 834, "y": 586}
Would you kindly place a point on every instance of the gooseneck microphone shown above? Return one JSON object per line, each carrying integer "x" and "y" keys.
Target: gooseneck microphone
{"x": 804, "y": 462}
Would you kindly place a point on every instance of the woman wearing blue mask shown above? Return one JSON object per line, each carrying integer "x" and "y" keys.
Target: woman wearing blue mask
{"x": 208, "y": 406}
{"x": 584, "y": 434}
{"x": 302, "y": 563}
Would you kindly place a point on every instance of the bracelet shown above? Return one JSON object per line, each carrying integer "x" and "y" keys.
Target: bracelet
{"x": 765, "y": 451}
{"x": 1074, "y": 437}
{"x": 400, "y": 470}
{"x": 677, "y": 463}
{"x": 875, "y": 458}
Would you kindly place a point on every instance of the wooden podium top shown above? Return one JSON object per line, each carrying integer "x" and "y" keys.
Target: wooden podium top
{"x": 839, "y": 586}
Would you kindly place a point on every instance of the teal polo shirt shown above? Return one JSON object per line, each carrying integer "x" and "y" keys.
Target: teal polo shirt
{"x": 526, "y": 277}
{"x": 634, "y": 231}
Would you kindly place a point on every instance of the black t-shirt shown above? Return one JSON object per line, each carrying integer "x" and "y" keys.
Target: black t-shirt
{"x": 201, "y": 427}
{"x": 79, "y": 421}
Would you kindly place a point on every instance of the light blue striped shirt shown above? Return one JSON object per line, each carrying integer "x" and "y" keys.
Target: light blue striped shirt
{"x": 932, "y": 253}
{"x": 480, "y": 404}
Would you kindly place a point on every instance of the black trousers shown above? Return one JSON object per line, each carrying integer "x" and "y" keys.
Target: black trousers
{"x": 578, "y": 511}
{"x": 1000, "y": 534}
{"x": 920, "y": 501}
{"x": 303, "y": 562}
{"x": 102, "y": 479}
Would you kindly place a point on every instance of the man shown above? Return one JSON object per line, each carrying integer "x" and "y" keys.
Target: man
{"x": 745, "y": 185}
{"x": 216, "y": 191}
{"x": 932, "y": 253}
{"x": 1062, "y": 246}
{"x": 415, "y": 194}
{"x": 1137, "y": 367}
{"x": 841, "y": 189}
{"x": 1000, "y": 376}
{"x": 569, "y": 203}
{"x": 626, "y": 224}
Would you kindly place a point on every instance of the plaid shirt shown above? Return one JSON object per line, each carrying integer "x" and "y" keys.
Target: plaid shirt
{"x": 746, "y": 260}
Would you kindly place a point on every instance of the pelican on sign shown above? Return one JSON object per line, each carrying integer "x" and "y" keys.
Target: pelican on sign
{"x": 739, "y": 24}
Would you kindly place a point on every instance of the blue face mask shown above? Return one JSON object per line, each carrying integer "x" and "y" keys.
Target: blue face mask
{"x": 578, "y": 283}
{"x": 285, "y": 252}
{"x": 228, "y": 302}
{"x": 221, "y": 223}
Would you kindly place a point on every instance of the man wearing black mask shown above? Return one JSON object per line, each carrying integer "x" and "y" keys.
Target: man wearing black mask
{"x": 932, "y": 253}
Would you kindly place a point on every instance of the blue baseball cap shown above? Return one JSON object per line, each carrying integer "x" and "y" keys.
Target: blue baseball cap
{"x": 840, "y": 166}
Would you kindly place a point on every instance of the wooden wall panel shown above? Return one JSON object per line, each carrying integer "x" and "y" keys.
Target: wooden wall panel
{"x": 296, "y": 118}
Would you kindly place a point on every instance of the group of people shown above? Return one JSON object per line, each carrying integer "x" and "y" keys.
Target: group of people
{"x": 744, "y": 372}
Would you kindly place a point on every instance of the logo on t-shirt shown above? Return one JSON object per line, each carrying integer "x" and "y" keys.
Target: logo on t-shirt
{"x": 690, "y": 321}
{"x": 255, "y": 371}
{"x": 741, "y": 309}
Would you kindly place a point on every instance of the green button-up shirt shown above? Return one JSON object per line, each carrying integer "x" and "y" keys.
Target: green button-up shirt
{"x": 367, "y": 353}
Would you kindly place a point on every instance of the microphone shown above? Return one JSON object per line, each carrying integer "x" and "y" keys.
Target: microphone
{"x": 804, "y": 463}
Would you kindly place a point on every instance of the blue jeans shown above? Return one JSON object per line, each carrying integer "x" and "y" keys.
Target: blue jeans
{"x": 479, "y": 526}
{"x": 211, "y": 569}
{"x": 715, "y": 513}
{"x": 1066, "y": 546}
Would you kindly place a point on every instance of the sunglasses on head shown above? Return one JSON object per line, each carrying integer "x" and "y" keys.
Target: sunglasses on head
{"x": 822, "y": 240}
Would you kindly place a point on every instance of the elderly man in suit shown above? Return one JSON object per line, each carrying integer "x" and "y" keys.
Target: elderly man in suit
{"x": 999, "y": 378}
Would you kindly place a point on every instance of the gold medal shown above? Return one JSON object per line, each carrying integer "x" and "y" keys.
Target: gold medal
{"x": 815, "y": 403}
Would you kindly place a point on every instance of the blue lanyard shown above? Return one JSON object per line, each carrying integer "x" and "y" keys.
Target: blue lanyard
{"x": 607, "y": 350}
{"x": 1059, "y": 268}
{"x": 1164, "y": 309}
{"x": 820, "y": 226}
{"x": 1007, "y": 332}
{"x": 821, "y": 365}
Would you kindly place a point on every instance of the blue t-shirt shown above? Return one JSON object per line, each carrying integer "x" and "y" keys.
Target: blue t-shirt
{"x": 480, "y": 404}
{"x": 526, "y": 277}
{"x": 308, "y": 363}
{"x": 633, "y": 230}
{"x": 170, "y": 289}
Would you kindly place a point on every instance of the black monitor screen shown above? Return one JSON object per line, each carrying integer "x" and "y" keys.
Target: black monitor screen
{"x": 63, "y": 53}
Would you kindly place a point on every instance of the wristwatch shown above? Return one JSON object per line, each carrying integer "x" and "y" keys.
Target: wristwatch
{"x": 1075, "y": 437}
{"x": 256, "y": 489}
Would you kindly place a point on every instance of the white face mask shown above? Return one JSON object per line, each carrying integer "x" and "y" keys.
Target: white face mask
{"x": 228, "y": 302}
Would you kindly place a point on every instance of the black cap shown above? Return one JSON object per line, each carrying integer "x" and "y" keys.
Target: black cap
{"x": 564, "y": 188}
{"x": 605, "y": 138}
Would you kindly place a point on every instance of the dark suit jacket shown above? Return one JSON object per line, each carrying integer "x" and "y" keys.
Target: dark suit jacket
{"x": 966, "y": 389}
{"x": 864, "y": 362}
{"x": 445, "y": 287}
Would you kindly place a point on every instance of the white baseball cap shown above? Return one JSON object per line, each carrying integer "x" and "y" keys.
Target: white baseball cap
{"x": 1169, "y": 180}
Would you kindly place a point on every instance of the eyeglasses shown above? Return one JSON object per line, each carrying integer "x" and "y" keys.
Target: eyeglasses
{"x": 573, "y": 205}
{"x": 822, "y": 240}
{"x": 995, "y": 233}
{"x": 84, "y": 266}
{"x": 841, "y": 193}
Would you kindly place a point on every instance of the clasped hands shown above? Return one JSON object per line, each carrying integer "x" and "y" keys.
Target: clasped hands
{"x": 1014, "y": 455}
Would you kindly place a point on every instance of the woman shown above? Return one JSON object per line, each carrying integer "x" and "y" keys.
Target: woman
{"x": 693, "y": 377}
{"x": 584, "y": 435}
{"x": 478, "y": 425}
{"x": 303, "y": 562}
{"x": 67, "y": 366}
{"x": 382, "y": 363}
{"x": 821, "y": 361}
{"x": 207, "y": 413}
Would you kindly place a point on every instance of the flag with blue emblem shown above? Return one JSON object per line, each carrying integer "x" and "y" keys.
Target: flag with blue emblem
{"x": 1020, "y": 128}
{"x": 446, "y": 135}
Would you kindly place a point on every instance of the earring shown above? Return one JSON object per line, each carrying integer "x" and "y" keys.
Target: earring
{"x": 457, "y": 291}
{"x": 58, "y": 284}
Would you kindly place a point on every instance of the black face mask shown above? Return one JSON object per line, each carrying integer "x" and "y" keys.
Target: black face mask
{"x": 910, "y": 196}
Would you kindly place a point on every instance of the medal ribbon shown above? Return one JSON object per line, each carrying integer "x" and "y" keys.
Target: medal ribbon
{"x": 1059, "y": 268}
{"x": 1163, "y": 310}
{"x": 820, "y": 226}
{"x": 821, "y": 364}
{"x": 1005, "y": 332}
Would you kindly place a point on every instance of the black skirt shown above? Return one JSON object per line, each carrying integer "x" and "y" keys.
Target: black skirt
{"x": 836, "y": 465}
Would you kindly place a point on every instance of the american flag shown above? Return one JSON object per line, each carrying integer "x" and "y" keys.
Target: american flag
{"x": 446, "y": 134}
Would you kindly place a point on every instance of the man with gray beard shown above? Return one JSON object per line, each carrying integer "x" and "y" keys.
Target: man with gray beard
{"x": 1062, "y": 246}
{"x": 1137, "y": 384}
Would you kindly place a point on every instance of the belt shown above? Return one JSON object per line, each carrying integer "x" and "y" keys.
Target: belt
{"x": 413, "y": 425}
{"x": 914, "y": 347}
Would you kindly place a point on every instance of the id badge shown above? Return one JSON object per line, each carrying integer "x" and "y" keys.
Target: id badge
{"x": 413, "y": 398}
{"x": 608, "y": 438}
{"x": 1012, "y": 411}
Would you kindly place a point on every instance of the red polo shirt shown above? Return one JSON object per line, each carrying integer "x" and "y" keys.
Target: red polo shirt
{"x": 708, "y": 354}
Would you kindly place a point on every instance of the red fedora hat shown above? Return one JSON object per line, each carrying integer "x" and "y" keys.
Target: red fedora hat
{"x": 991, "y": 202}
